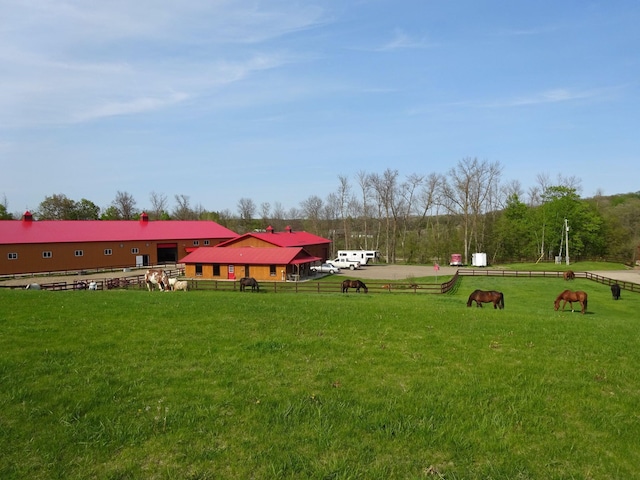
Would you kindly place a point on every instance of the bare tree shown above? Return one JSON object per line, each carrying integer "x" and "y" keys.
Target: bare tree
{"x": 385, "y": 188}
{"x": 265, "y": 211}
{"x": 364, "y": 181}
{"x": 278, "y": 216}
{"x": 158, "y": 205}
{"x": 183, "y": 210}
{"x": 125, "y": 205}
{"x": 408, "y": 192}
{"x": 344, "y": 199}
{"x": 467, "y": 192}
{"x": 247, "y": 211}
{"x": 312, "y": 210}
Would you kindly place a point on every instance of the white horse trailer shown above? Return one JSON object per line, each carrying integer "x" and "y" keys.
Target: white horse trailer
{"x": 362, "y": 256}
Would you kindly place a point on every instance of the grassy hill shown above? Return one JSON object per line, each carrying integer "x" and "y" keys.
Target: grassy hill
{"x": 131, "y": 384}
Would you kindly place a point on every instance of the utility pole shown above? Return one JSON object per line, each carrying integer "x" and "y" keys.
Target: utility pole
{"x": 566, "y": 233}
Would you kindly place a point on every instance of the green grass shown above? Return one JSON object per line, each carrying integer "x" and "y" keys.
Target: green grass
{"x": 132, "y": 384}
{"x": 582, "y": 266}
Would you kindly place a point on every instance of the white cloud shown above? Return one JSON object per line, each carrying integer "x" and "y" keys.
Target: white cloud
{"x": 72, "y": 60}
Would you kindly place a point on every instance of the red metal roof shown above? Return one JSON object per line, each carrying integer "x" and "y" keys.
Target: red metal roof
{"x": 73, "y": 231}
{"x": 250, "y": 255}
{"x": 288, "y": 238}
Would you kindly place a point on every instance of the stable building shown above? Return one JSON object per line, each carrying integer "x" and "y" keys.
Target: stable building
{"x": 265, "y": 256}
{"x": 32, "y": 246}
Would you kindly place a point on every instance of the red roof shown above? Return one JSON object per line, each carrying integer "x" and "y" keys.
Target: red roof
{"x": 288, "y": 238}
{"x": 249, "y": 255}
{"x": 74, "y": 231}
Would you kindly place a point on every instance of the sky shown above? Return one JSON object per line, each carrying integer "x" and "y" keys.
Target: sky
{"x": 274, "y": 100}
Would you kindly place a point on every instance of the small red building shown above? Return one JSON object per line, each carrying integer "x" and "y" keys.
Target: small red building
{"x": 269, "y": 255}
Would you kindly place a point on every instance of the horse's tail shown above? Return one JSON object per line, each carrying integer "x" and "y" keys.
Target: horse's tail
{"x": 470, "y": 301}
{"x": 501, "y": 300}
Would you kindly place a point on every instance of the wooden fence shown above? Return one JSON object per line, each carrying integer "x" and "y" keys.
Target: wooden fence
{"x": 311, "y": 286}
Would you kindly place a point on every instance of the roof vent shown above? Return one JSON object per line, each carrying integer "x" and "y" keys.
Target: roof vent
{"x": 144, "y": 218}
{"x": 269, "y": 229}
{"x": 27, "y": 217}
{"x": 287, "y": 229}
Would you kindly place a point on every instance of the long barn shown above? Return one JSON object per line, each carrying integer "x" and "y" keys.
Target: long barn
{"x": 32, "y": 246}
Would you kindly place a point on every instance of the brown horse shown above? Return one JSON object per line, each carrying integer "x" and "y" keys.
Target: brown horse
{"x": 569, "y": 296}
{"x": 569, "y": 275}
{"x": 357, "y": 284}
{"x": 480, "y": 297}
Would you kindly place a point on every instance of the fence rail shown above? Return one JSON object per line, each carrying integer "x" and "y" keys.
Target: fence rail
{"x": 314, "y": 286}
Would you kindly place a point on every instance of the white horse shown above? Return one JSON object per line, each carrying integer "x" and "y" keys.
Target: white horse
{"x": 156, "y": 277}
{"x": 172, "y": 283}
{"x": 32, "y": 286}
{"x": 181, "y": 285}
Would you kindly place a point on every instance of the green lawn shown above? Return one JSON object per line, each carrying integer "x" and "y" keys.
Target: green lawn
{"x": 130, "y": 384}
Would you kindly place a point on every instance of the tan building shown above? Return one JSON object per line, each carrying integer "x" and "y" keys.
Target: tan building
{"x": 274, "y": 256}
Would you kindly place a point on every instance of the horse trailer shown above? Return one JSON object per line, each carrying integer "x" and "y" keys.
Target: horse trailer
{"x": 456, "y": 260}
{"x": 362, "y": 256}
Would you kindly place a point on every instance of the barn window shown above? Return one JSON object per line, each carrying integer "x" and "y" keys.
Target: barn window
{"x": 47, "y": 254}
{"x": 199, "y": 269}
{"x": 216, "y": 269}
{"x": 196, "y": 243}
{"x": 206, "y": 242}
{"x": 79, "y": 253}
{"x": 272, "y": 270}
{"x": 135, "y": 250}
{"x": 108, "y": 251}
{"x": 12, "y": 256}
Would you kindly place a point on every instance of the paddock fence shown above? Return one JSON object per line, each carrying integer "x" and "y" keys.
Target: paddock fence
{"x": 315, "y": 286}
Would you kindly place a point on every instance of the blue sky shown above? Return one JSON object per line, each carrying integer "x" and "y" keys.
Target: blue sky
{"x": 273, "y": 100}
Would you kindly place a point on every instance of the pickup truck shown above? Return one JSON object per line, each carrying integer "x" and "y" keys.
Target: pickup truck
{"x": 343, "y": 263}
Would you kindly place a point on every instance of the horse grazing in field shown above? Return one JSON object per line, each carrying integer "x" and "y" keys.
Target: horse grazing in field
{"x": 249, "y": 282}
{"x": 569, "y": 275}
{"x": 357, "y": 284}
{"x": 480, "y": 297}
{"x": 158, "y": 278}
{"x": 569, "y": 296}
{"x": 32, "y": 286}
{"x": 180, "y": 285}
{"x": 615, "y": 291}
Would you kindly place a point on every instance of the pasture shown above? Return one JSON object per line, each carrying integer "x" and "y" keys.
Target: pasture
{"x": 134, "y": 384}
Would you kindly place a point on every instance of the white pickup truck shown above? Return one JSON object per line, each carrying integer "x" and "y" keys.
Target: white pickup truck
{"x": 343, "y": 263}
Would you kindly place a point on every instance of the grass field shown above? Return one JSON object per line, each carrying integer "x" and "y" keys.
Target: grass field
{"x": 130, "y": 384}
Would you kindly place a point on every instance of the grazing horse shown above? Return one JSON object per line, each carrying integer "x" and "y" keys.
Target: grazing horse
{"x": 32, "y": 286}
{"x": 180, "y": 285}
{"x": 249, "y": 282}
{"x": 569, "y": 275}
{"x": 480, "y": 297}
{"x": 569, "y": 296}
{"x": 156, "y": 277}
{"x": 357, "y": 284}
{"x": 615, "y": 291}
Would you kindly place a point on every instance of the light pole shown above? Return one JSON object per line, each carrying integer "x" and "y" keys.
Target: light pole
{"x": 566, "y": 233}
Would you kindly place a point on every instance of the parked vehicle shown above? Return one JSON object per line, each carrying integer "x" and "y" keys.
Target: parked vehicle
{"x": 325, "y": 268}
{"x": 362, "y": 256}
{"x": 343, "y": 263}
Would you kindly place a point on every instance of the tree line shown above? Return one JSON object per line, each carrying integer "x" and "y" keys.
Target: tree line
{"x": 419, "y": 218}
